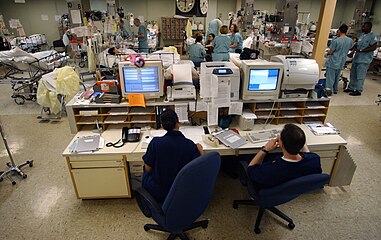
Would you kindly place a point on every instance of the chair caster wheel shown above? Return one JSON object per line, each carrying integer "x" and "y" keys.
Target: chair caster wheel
{"x": 204, "y": 226}
{"x": 13, "y": 183}
{"x": 235, "y": 206}
{"x": 24, "y": 176}
{"x": 30, "y": 163}
{"x": 257, "y": 230}
{"x": 291, "y": 226}
{"x": 146, "y": 228}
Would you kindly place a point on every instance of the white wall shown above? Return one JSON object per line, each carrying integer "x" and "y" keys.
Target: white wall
{"x": 100, "y": 5}
{"x": 30, "y": 13}
{"x": 377, "y": 18}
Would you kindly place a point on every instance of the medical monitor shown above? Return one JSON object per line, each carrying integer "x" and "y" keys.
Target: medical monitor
{"x": 261, "y": 80}
{"x": 147, "y": 80}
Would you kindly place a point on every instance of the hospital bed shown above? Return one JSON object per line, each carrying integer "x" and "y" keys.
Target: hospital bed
{"x": 23, "y": 70}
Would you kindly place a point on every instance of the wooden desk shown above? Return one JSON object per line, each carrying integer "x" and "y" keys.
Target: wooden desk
{"x": 107, "y": 172}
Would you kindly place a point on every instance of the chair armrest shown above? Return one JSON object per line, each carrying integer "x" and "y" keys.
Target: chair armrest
{"x": 147, "y": 203}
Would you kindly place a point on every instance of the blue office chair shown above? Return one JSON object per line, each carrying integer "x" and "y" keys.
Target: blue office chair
{"x": 269, "y": 198}
{"x": 187, "y": 199}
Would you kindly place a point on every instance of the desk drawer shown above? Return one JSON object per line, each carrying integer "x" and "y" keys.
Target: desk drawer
{"x": 95, "y": 157}
{"x": 323, "y": 148}
{"x": 101, "y": 182}
{"x": 97, "y": 164}
{"x": 327, "y": 164}
{"x": 136, "y": 166}
{"x": 327, "y": 154}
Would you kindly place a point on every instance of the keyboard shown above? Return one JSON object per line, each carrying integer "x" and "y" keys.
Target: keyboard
{"x": 262, "y": 136}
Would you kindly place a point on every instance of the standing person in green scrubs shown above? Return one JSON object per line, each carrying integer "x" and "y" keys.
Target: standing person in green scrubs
{"x": 221, "y": 46}
{"x": 363, "y": 57}
{"x": 142, "y": 36}
{"x": 338, "y": 51}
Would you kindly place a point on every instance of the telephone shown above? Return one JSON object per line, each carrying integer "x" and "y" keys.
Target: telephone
{"x": 131, "y": 134}
{"x": 210, "y": 140}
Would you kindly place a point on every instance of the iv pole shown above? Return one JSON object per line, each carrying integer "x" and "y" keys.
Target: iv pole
{"x": 12, "y": 167}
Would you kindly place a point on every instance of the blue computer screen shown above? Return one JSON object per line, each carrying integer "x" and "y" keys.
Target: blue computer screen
{"x": 141, "y": 80}
{"x": 263, "y": 79}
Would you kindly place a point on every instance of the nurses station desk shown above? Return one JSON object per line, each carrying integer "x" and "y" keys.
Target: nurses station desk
{"x": 107, "y": 173}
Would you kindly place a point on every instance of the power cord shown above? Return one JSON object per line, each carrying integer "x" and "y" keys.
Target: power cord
{"x": 268, "y": 117}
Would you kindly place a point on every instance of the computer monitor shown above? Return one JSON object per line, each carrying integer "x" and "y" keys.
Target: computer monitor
{"x": 147, "y": 80}
{"x": 261, "y": 80}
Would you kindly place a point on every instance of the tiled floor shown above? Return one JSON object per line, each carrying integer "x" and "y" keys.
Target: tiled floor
{"x": 44, "y": 205}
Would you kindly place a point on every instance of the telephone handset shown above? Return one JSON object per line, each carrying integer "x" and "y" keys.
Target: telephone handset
{"x": 131, "y": 134}
{"x": 210, "y": 140}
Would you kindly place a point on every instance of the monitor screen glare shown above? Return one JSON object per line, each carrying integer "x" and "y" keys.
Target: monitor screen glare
{"x": 141, "y": 80}
{"x": 263, "y": 79}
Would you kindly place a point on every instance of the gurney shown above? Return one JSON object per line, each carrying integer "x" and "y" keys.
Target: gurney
{"x": 23, "y": 70}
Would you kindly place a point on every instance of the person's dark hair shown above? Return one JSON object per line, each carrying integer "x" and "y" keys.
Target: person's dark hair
{"x": 169, "y": 119}
{"x": 369, "y": 24}
{"x": 111, "y": 51}
{"x": 224, "y": 29}
{"x": 198, "y": 39}
{"x": 212, "y": 34}
{"x": 343, "y": 28}
{"x": 293, "y": 138}
{"x": 235, "y": 28}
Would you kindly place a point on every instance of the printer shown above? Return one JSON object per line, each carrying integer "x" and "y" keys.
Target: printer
{"x": 183, "y": 87}
{"x": 300, "y": 75}
{"x": 226, "y": 70}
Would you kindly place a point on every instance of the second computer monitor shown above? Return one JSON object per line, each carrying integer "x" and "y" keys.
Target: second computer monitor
{"x": 261, "y": 80}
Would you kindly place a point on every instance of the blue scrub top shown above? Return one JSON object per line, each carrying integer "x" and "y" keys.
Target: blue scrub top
{"x": 236, "y": 38}
{"x": 221, "y": 48}
{"x": 143, "y": 42}
{"x": 274, "y": 170}
{"x": 166, "y": 155}
{"x": 221, "y": 44}
{"x": 197, "y": 52}
{"x": 340, "y": 47}
{"x": 365, "y": 41}
{"x": 214, "y": 27}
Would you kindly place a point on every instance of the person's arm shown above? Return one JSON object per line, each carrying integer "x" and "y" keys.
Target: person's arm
{"x": 368, "y": 49}
{"x": 148, "y": 158}
{"x": 234, "y": 45}
{"x": 332, "y": 47}
{"x": 200, "y": 149}
{"x": 270, "y": 146}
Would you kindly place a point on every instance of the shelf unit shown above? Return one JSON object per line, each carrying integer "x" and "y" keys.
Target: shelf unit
{"x": 290, "y": 111}
{"x": 104, "y": 116}
{"x": 281, "y": 111}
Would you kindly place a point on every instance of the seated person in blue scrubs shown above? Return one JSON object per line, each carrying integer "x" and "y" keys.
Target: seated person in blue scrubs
{"x": 197, "y": 52}
{"x": 221, "y": 46}
{"x": 236, "y": 39}
{"x": 268, "y": 170}
{"x": 166, "y": 156}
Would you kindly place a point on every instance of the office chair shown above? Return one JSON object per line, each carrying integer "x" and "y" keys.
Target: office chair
{"x": 269, "y": 198}
{"x": 187, "y": 199}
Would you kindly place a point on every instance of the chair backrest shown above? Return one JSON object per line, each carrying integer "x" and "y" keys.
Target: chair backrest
{"x": 287, "y": 191}
{"x": 191, "y": 192}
